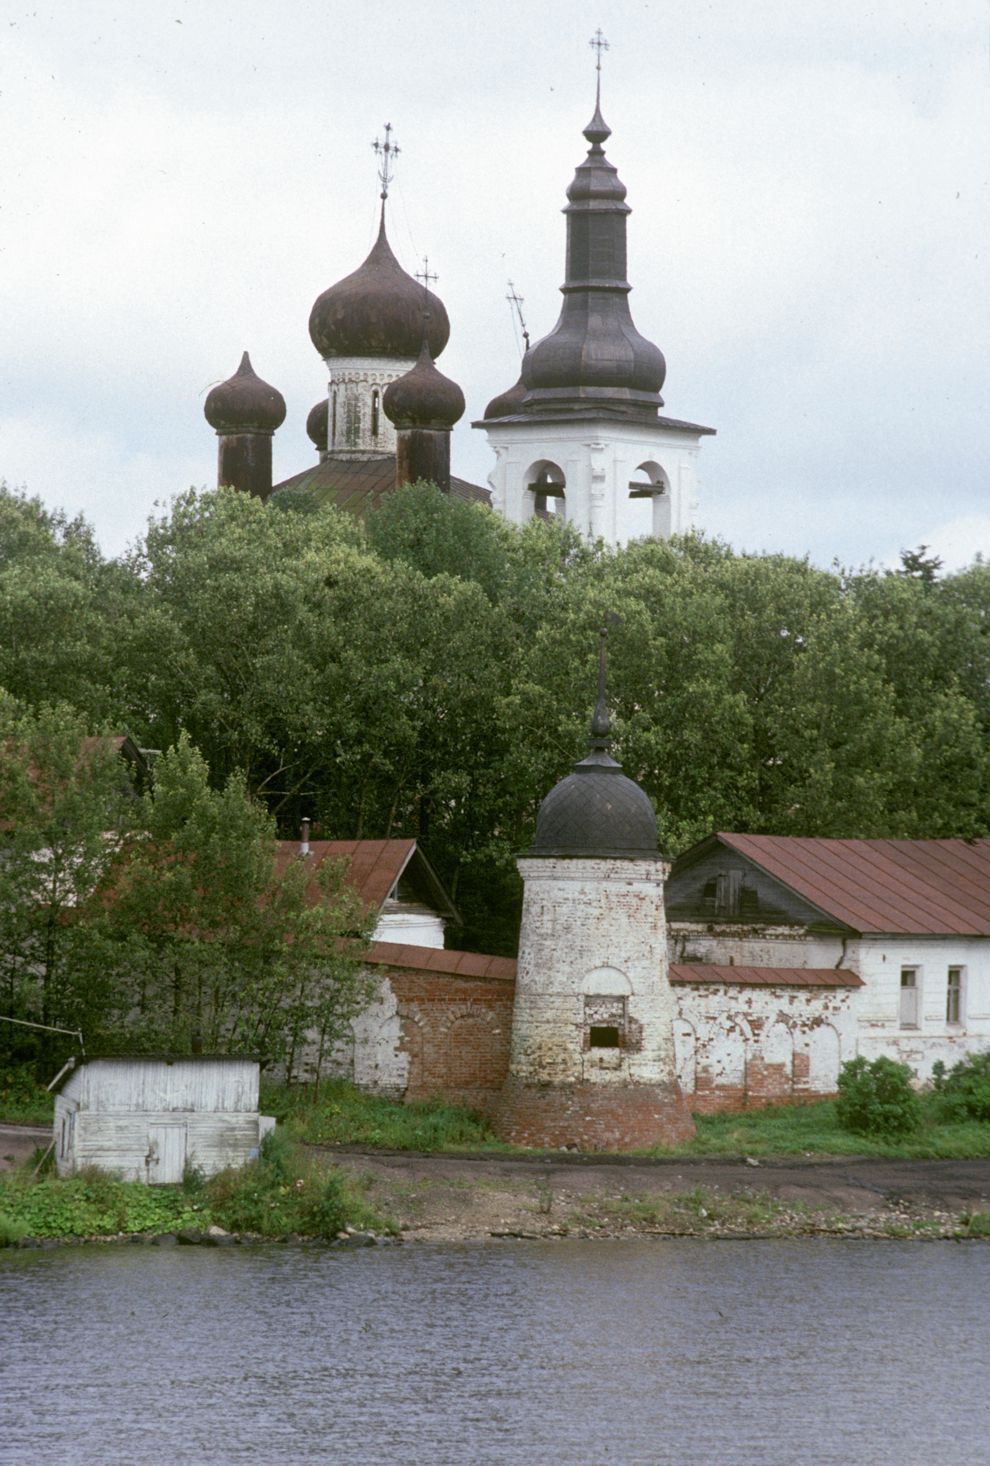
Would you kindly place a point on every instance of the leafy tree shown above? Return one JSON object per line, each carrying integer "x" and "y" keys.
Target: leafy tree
{"x": 207, "y": 936}
{"x": 876, "y": 1098}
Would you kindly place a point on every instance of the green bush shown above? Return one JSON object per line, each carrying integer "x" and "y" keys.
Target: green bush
{"x": 876, "y": 1098}
{"x": 964, "y": 1092}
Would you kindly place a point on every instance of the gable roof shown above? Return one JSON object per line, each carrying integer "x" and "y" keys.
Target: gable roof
{"x": 374, "y": 866}
{"x": 909, "y": 887}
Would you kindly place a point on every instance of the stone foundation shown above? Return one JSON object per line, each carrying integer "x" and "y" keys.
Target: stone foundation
{"x": 590, "y": 1116}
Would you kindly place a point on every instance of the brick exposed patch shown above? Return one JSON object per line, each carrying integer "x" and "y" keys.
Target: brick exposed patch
{"x": 593, "y": 1116}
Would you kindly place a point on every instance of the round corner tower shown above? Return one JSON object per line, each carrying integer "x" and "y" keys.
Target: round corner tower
{"x": 592, "y": 1059}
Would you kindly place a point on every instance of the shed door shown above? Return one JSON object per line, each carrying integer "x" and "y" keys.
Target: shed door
{"x": 166, "y": 1157}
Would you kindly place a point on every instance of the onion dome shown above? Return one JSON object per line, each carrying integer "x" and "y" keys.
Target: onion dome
{"x": 423, "y": 397}
{"x": 244, "y": 403}
{"x": 507, "y": 403}
{"x": 596, "y": 812}
{"x": 318, "y": 425}
{"x": 594, "y": 356}
{"x": 376, "y": 311}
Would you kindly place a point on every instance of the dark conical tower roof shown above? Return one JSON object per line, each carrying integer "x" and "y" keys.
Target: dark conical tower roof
{"x": 594, "y": 360}
{"x": 376, "y": 311}
{"x": 244, "y": 403}
{"x": 596, "y": 812}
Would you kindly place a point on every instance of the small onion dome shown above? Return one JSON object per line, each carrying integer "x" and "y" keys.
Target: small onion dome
{"x": 244, "y": 403}
{"x": 596, "y": 812}
{"x": 507, "y": 403}
{"x": 318, "y": 424}
{"x": 423, "y": 397}
{"x": 376, "y": 311}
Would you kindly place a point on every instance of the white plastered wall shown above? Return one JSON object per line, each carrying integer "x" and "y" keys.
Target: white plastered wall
{"x": 598, "y": 462}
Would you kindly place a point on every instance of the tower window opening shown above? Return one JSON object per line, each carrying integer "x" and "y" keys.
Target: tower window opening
{"x": 333, "y": 417}
{"x": 375, "y": 402}
{"x": 604, "y": 1036}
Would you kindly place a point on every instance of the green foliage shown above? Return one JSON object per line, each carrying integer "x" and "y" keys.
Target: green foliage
{"x": 964, "y": 1091}
{"x": 23, "y": 1099}
{"x": 92, "y": 1204}
{"x": 876, "y": 1098}
{"x": 340, "y": 1114}
{"x": 11, "y": 1231}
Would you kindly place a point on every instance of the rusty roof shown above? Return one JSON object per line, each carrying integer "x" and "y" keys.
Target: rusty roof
{"x": 767, "y": 977}
{"x": 359, "y": 484}
{"x": 439, "y": 959}
{"x": 909, "y": 887}
{"x": 374, "y": 866}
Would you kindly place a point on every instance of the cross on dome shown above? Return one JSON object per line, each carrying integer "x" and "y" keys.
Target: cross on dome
{"x": 386, "y": 152}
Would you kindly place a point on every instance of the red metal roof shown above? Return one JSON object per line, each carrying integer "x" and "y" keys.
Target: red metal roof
{"x": 438, "y": 959}
{"x": 358, "y": 484}
{"x": 914, "y": 887}
{"x": 767, "y": 977}
{"x": 374, "y": 865}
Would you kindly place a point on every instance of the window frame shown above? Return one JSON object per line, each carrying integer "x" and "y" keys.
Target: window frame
{"x": 913, "y": 1024}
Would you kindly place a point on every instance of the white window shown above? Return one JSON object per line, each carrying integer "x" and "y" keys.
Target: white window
{"x": 954, "y": 996}
{"x": 910, "y": 997}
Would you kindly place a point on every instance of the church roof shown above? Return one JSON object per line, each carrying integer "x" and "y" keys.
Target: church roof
{"x": 904, "y": 887}
{"x": 373, "y": 868}
{"x": 358, "y": 484}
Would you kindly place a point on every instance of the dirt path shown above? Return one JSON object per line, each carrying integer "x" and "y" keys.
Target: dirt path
{"x": 448, "y": 1198}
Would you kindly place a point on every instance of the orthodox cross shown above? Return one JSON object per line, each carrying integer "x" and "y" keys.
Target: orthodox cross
{"x": 386, "y": 154}
{"x": 598, "y": 44}
{"x": 426, "y": 276}
{"x": 516, "y": 300}
{"x": 600, "y": 721}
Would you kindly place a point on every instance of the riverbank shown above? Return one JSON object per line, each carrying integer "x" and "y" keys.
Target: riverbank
{"x": 447, "y": 1198}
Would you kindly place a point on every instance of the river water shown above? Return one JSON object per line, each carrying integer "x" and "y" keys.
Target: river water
{"x": 632, "y": 1353}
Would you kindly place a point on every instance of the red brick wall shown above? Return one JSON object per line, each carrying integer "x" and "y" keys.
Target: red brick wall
{"x": 456, "y": 1032}
{"x": 593, "y": 1116}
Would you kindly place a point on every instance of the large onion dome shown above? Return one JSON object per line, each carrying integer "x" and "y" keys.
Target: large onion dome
{"x": 423, "y": 397}
{"x": 376, "y": 311}
{"x": 244, "y": 403}
{"x": 318, "y": 425}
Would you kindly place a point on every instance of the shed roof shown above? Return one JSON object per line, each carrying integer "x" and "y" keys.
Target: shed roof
{"x": 909, "y": 887}
{"x": 439, "y": 959}
{"x": 766, "y": 977}
{"x": 358, "y": 484}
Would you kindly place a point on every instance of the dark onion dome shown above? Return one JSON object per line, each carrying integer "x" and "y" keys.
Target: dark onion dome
{"x": 318, "y": 425}
{"x": 507, "y": 403}
{"x": 423, "y": 397}
{"x": 596, "y": 812}
{"x": 244, "y": 403}
{"x": 594, "y": 355}
{"x": 376, "y": 311}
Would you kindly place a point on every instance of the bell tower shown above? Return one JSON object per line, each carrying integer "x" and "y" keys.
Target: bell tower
{"x": 581, "y": 434}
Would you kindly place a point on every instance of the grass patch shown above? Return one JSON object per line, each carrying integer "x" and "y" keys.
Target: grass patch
{"x": 278, "y": 1194}
{"x": 340, "y": 1114}
{"x": 692, "y": 1213}
{"x": 814, "y": 1130}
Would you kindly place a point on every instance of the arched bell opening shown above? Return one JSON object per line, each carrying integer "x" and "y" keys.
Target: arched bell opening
{"x": 545, "y": 486}
{"x": 650, "y": 506}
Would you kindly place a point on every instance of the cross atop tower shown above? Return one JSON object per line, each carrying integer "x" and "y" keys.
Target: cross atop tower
{"x": 598, "y": 44}
{"x": 386, "y": 152}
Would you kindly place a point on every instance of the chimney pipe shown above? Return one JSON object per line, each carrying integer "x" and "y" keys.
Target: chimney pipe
{"x": 304, "y": 838}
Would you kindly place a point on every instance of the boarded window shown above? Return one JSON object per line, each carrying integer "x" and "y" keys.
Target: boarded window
{"x": 953, "y": 995}
{"x": 910, "y": 997}
{"x": 728, "y": 892}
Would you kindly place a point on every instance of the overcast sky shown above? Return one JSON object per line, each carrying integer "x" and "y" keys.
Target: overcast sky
{"x": 810, "y": 185}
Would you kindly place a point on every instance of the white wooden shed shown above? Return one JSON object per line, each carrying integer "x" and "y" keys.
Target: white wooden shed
{"x": 146, "y": 1118}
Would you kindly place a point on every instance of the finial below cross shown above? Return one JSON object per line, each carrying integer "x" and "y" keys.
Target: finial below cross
{"x": 386, "y": 153}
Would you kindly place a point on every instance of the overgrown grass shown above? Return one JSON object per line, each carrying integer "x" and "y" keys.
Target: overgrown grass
{"x": 814, "y": 1130}
{"x": 340, "y": 1114}
{"x": 279, "y": 1194}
